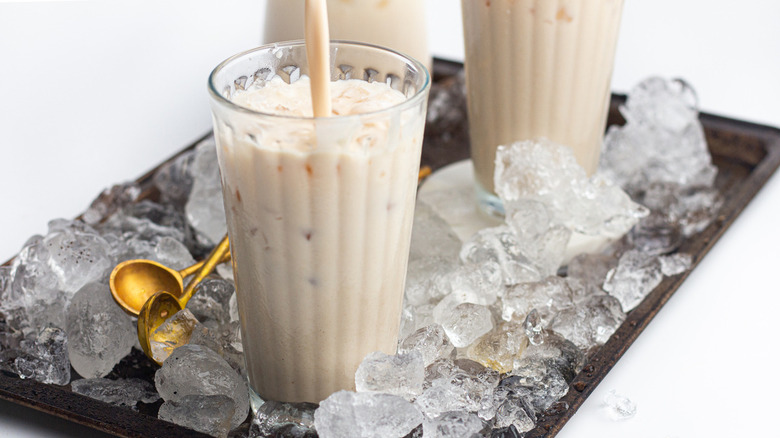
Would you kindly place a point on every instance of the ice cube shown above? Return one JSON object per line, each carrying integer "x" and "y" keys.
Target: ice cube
{"x": 100, "y": 334}
{"x": 592, "y": 269}
{"x": 431, "y": 342}
{"x": 466, "y": 323}
{"x": 502, "y": 246}
{"x": 209, "y": 414}
{"x": 211, "y": 303}
{"x": 205, "y": 209}
{"x": 547, "y": 296}
{"x": 675, "y": 263}
{"x": 656, "y": 234}
{"x": 366, "y": 415}
{"x": 513, "y": 408}
{"x": 119, "y": 392}
{"x": 223, "y": 342}
{"x": 533, "y": 328}
{"x": 110, "y": 201}
{"x": 499, "y": 348}
{"x": 462, "y": 385}
{"x": 636, "y": 275}
{"x": 196, "y": 370}
{"x": 426, "y": 279}
{"x": 669, "y": 103}
{"x": 400, "y": 375}
{"x": 173, "y": 254}
{"x": 171, "y": 334}
{"x": 77, "y": 254}
{"x": 432, "y": 235}
{"x": 174, "y": 179}
{"x": 618, "y": 406}
{"x": 275, "y": 418}
{"x": 589, "y": 323}
{"x": 45, "y": 359}
{"x": 453, "y": 424}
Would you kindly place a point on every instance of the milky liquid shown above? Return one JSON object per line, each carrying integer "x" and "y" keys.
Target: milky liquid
{"x": 319, "y": 214}
{"x": 538, "y": 68}
{"x": 397, "y": 24}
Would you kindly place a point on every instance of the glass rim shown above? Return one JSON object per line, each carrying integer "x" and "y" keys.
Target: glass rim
{"x": 410, "y": 101}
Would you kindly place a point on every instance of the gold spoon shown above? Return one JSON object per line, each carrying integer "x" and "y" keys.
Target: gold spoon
{"x": 133, "y": 282}
{"x": 162, "y": 305}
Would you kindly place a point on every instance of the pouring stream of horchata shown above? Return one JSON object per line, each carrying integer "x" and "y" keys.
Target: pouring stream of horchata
{"x": 318, "y": 55}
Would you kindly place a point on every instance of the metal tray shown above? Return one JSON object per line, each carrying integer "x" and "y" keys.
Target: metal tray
{"x": 746, "y": 155}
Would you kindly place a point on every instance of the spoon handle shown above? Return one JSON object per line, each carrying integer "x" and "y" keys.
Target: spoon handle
{"x": 217, "y": 254}
{"x": 186, "y": 272}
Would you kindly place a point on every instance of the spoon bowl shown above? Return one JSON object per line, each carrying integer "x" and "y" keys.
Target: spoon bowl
{"x": 162, "y": 304}
{"x": 133, "y": 282}
{"x": 157, "y": 309}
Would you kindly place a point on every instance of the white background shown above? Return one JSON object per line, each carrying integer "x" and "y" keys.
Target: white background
{"x": 94, "y": 93}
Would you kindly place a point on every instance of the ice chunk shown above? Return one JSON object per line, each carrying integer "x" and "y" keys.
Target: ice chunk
{"x": 77, "y": 254}
{"x": 533, "y": 328}
{"x": 32, "y": 298}
{"x": 171, "y": 334}
{"x": 426, "y": 279}
{"x": 547, "y": 297}
{"x": 275, "y": 418}
{"x": 119, "y": 392}
{"x": 592, "y": 269}
{"x": 173, "y": 253}
{"x": 453, "y": 424}
{"x": 545, "y": 172}
{"x": 211, "y": 303}
{"x": 430, "y": 341}
{"x": 196, "y": 370}
{"x": 110, "y": 201}
{"x": 100, "y": 334}
{"x": 656, "y": 234}
{"x": 591, "y": 322}
{"x": 662, "y": 141}
{"x": 432, "y": 235}
{"x": 365, "y": 415}
{"x": 499, "y": 348}
{"x": 467, "y": 323}
{"x": 205, "y": 209}
{"x": 400, "y": 375}
{"x": 636, "y": 275}
{"x": 462, "y": 385}
{"x": 225, "y": 341}
{"x": 500, "y": 245}
{"x": 209, "y": 414}
{"x": 675, "y": 264}
{"x": 513, "y": 408}
{"x": 174, "y": 179}
{"x": 46, "y": 358}
{"x": 618, "y": 406}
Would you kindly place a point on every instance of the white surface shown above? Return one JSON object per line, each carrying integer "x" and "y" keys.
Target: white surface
{"x": 93, "y": 93}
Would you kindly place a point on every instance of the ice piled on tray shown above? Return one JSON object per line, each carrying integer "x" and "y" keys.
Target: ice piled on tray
{"x": 205, "y": 209}
{"x": 209, "y": 414}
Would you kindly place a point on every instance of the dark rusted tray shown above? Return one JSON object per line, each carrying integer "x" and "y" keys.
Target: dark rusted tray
{"x": 746, "y": 155}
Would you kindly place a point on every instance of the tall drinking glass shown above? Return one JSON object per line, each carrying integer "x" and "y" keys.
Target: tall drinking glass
{"x": 319, "y": 214}
{"x": 537, "y": 68}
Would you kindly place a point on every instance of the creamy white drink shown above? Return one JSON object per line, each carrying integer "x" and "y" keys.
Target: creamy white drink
{"x": 538, "y": 68}
{"x": 397, "y": 24}
{"x": 319, "y": 212}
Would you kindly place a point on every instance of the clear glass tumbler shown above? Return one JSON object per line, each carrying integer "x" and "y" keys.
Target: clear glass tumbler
{"x": 537, "y": 68}
{"x": 319, "y": 214}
